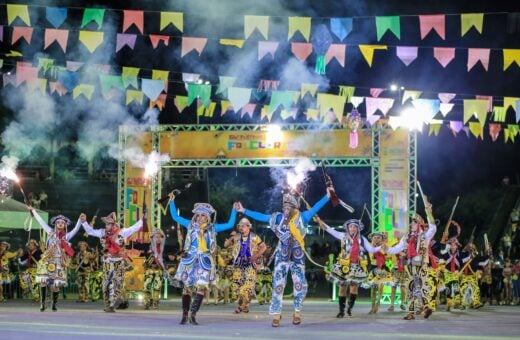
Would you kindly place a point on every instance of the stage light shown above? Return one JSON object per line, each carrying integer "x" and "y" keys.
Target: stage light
{"x": 411, "y": 119}
{"x": 402, "y": 88}
{"x": 207, "y": 82}
{"x": 393, "y": 87}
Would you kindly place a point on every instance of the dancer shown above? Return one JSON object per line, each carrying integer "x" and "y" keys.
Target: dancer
{"x": 455, "y": 259}
{"x": 5, "y": 274}
{"x": 469, "y": 276}
{"x": 30, "y": 260}
{"x": 84, "y": 260}
{"x": 400, "y": 277}
{"x": 247, "y": 248}
{"x": 52, "y": 268}
{"x": 380, "y": 274}
{"x": 197, "y": 269}
{"x": 112, "y": 239}
{"x": 350, "y": 269}
{"x": 290, "y": 228}
{"x": 416, "y": 243}
{"x": 154, "y": 270}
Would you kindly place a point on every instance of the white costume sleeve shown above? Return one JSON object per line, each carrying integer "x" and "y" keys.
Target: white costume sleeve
{"x": 337, "y": 234}
{"x": 93, "y": 232}
{"x": 398, "y": 247}
{"x": 40, "y": 220}
{"x": 368, "y": 247}
{"x": 126, "y": 232}
{"x": 431, "y": 232}
{"x": 73, "y": 232}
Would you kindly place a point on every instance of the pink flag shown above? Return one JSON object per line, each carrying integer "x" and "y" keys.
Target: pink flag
{"x": 435, "y": 22}
{"x": 456, "y": 126}
{"x": 189, "y": 44}
{"x": 73, "y": 65}
{"x": 444, "y": 55}
{"x": 123, "y": 40}
{"x": 494, "y": 131}
{"x": 446, "y": 97}
{"x": 248, "y": 109}
{"x": 375, "y": 92}
{"x": 156, "y": 38}
{"x": 489, "y": 99}
{"x": 267, "y": 47}
{"x": 25, "y": 73}
{"x": 478, "y": 54}
{"x": 21, "y": 32}
{"x": 336, "y": 51}
{"x": 267, "y": 85}
{"x": 61, "y": 36}
{"x": 133, "y": 17}
{"x": 407, "y": 54}
{"x": 301, "y": 50}
{"x": 382, "y": 104}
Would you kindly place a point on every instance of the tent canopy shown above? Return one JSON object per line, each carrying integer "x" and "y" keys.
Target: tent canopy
{"x": 15, "y": 215}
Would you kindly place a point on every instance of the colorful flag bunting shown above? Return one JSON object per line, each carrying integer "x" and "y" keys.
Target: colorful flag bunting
{"x": 155, "y": 39}
{"x": 123, "y": 40}
{"x": 478, "y": 54}
{"x": 20, "y": 11}
{"x": 56, "y": 16}
{"x": 252, "y": 22}
{"x": 302, "y": 24}
{"x": 444, "y": 55}
{"x": 341, "y": 27}
{"x": 60, "y": 36}
{"x": 133, "y": 17}
{"x": 267, "y": 47}
{"x": 468, "y": 20}
{"x": 336, "y": 51}
{"x": 388, "y": 23}
{"x": 407, "y": 54}
{"x": 174, "y": 18}
{"x": 21, "y": 32}
{"x": 134, "y": 95}
{"x": 368, "y": 52}
{"x": 301, "y": 50}
{"x": 93, "y": 14}
{"x": 190, "y": 44}
{"x": 91, "y": 40}
{"x": 434, "y": 22}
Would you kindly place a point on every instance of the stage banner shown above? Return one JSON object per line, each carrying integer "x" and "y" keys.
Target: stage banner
{"x": 394, "y": 183}
{"x": 264, "y": 144}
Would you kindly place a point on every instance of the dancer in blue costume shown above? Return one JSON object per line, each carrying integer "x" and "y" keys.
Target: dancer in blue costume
{"x": 197, "y": 269}
{"x": 290, "y": 228}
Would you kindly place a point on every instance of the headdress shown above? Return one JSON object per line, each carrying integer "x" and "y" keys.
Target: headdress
{"x": 291, "y": 199}
{"x": 33, "y": 241}
{"x": 419, "y": 220}
{"x": 110, "y": 219}
{"x": 55, "y": 219}
{"x": 80, "y": 243}
{"x": 378, "y": 233}
{"x": 7, "y": 245}
{"x": 203, "y": 208}
{"x": 355, "y": 222}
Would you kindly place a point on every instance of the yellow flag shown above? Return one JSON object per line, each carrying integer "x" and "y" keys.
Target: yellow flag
{"x": 411, "y": 95}
{"x": 330, "y": 101}
{"x": 467, "y": 20}
{"x": 476, "y": 129}
{"x": 255, "y": 21}
{"x": 91, "y": 40}
{"x": 175, "y": 18}
{"x": 510, "y": 102}
{"x": 232, "y": 42}
{"x": 136, "y": 95}
{"x": 368, "y": 51}
{"x": 499, "y": 114}
{"x": 224, "y": 106}
{"x": 265, "y": 112}
{"x": 20, "y": 11}
{"x": 210, "y": 110}
{"x": 161, "y": 75}
{"x": 181, "y": 102}
{"x": 434, "y": 129}
{"x": 313, "y": 114}
{"x": 476, "y": 107}
{"x": 302, "y": 24}
{"x": 308, "y": 88}
{"x": 511, "y": 56}
{"x": 83, "y": 89}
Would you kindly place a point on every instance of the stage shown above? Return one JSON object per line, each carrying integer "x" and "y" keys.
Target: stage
{"x": 23, "y": 320}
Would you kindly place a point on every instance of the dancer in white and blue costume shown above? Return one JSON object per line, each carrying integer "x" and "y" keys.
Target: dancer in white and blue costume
{"x": 197, "y": 269}
{"x": 290, "y": 228}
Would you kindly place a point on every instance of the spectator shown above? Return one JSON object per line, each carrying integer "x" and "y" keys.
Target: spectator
{"x": 516, "y": 282}
{"x": 43, "y": 197}
{"x": 506, "y": 241}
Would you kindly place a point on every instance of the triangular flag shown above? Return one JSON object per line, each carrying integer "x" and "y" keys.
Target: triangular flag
{"x": 207, "y": 111}
{"x": 499, "y": 114}
{"x": 312, "y": 89}
{"x": 347, "y": 92}
{"x": 444, "y": 55}
{"x": 267, "y": 47}
{"x": 201, "y": 91}
{"x": 327, "y": 101}
{"x": 446, "y": 97}
{"x": 368, "y": 52}
{"x": 93, "y": 14}
{"x": 478, "y": 54}
{"x": 407, "y": 54}
{"x": 456, "y": 126}
{"x": 476, "y": 129}
{"x": 382, "y": 104}
{"x": 428, "y": 108}
{"x": 388, "y": 23}
{"x": 284, "y": 98}
{"x": 56, "y": 16}
{"x": 225, "y": 106}
{"x": 291, "y": 113}
{"x": 155, "y": 39}
{"x": 21, "y": 32}
{"x": 74, "y": 65}
{"x": 175, "y": 18}
{"x": 224, "y": 84}
{"x": 83, "y": 89}
{"x": 55, "y": 86}
{"x": 20, "y": 11}
{"x": 9, "y": 79}
{"x": 239, "y": 97}
{"x": 356, "y": 101}
{"x": 312, "y": 114}
{"x": 180, "y": 102}
{"x": 302, "y": 24}
{"x": 38, "y": 84}
{"x": 435, "y": 22}
{"x": 376, "y": 91}
{"x": 510, "y": 57}
{"x": 189, "y": 44}
{"x": 61, "y": 36}
{"x": 248, "y": 109}
{"x": 510, "y": 102}
{"x": 25, "y": 73}
{"x": 129, "y": 76}
{"x": 408, "y": 94}
{"x": 468, "y": 20}
{"x": 489, "y": 99}
{"x": 445, "y": 108}
{"x": 341, "y": 27}
{"x": 254, "y": 21}
{"x": 513, "y": 129}
{"x": 45, "y": 64}
{"x": 476, "y": 107}
{"x": 232, "y": 42}
{"x": 123, "y": 40}
{"x": 336, "y": 51}
{"x": 68, "y": 79}
{"x": 110, "y": 81}
{"x": 133, "y": 17}
{"x": 91, "y": 40}
{"x": 134, "y": 95}
{"x": 494, "y": 131}
{"x": 152, "y": 88}
{"x": 301, "y": 50}
{"x": 434, "y": 129}
{"x": 160, "y": 102}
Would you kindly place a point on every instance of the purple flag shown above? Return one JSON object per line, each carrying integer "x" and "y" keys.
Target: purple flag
{"x": 125, "y": 39}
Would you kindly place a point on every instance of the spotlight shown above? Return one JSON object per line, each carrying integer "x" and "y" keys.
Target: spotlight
{"x": 207, "y": 82}
{"x": 393, "y": 87}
